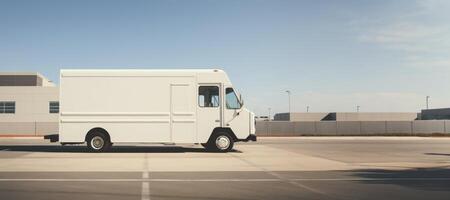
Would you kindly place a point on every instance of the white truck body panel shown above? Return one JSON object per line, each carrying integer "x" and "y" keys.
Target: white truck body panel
{"x": 146, "y": 106}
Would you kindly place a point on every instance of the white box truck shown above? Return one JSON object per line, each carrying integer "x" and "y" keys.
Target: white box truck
{"x": 102, "y": 107}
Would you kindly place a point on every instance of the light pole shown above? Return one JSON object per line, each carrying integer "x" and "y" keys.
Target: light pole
{"x": 307, "y": 108}
{"x": 289, "y": 100}
{"x": 428, "y": 101}
{"x": 269, "y": 113}
{"x": 357, "y": 108}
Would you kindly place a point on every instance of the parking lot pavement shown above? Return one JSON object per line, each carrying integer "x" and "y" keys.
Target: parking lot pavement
{"x": 272, "y": 168}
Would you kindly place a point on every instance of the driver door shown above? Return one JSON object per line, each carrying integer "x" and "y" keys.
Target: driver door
{"x": 208, "y": 110}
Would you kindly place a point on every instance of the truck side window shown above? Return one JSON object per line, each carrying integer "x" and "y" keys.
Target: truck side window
{"x": 231, "y": 99}
{"x": 208, "y": 96}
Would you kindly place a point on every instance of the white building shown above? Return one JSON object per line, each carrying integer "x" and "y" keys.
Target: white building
{"x": 29, "y": 104}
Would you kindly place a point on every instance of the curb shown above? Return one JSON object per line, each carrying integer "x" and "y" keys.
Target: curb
{"x": 21, "y": 137}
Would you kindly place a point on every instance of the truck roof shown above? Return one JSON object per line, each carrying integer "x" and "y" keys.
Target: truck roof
{"x": 203, "y": 75}
{"x": 137, "y": 72}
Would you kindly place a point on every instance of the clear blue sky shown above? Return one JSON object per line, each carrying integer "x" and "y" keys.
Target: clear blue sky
{"x": 332, "y": 55}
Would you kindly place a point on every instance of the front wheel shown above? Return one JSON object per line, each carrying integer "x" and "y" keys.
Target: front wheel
{"x": 220, "y": 142}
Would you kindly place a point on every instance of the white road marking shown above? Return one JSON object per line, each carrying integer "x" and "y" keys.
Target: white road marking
{"x": 145, "y": 175}
{"x": 145, "y": 193}
{"x": 212, "y": 180}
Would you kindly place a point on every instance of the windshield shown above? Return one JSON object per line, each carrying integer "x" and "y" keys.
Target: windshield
{"x": 231, "y": 99}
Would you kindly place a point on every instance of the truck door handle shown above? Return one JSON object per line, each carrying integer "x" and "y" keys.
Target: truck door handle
{"x": 217, "y": 120}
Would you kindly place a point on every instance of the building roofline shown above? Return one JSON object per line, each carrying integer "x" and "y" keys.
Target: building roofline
{"x": 45, "y": 81}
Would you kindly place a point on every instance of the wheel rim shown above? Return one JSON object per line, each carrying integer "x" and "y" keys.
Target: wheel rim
{"x": 97, "y": 142}
{"x": 223, "y": 142}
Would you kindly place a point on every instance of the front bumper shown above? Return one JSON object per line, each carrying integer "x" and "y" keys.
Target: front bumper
{"x": 251, "y": 137}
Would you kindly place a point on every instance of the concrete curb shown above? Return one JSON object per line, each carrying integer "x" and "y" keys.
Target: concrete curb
{"x": 21, "y": 137}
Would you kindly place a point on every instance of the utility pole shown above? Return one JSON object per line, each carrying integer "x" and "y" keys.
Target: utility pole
{"x": 428, "y": 101}
{"x": 289, "y": 99}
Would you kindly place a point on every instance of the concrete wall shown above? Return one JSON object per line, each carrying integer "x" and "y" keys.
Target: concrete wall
{"x": 373, "y": 128}
{"x": 28, "y": 128}
{"x": 447, "y": 126}
{"x": 375, "y": 116}
{"x": 428, "y": 126}
{"x": 32, "y": 115}
{"x": 32, "y": 103}
{"x": 281, "y": 128}
{"x": 330, "y": 128}
{"x": 399, "y": 127}
{"x": 349, "y": 128}
{"x": 325, "y": 128}
{"x": 347, "y": 116}
{"x": 307, "y": 128}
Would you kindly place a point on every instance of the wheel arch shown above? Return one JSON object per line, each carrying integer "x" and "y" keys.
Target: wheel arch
{"x": 97, "y": 129}
{"x": 224, "y": 129}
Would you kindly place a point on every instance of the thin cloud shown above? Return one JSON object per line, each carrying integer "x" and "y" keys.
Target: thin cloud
{"x": 423, "y": 36}
{"x": 436, "y": 64}
{"x": 401, "y": 33}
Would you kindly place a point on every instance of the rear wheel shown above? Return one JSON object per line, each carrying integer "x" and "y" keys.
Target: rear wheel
{"x": 98, "y": 142}
{"x": 220, "y": 142}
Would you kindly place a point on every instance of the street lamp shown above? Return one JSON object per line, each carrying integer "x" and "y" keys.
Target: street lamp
{"x": 428, "y": 100}
{"x": 289, "y": 99}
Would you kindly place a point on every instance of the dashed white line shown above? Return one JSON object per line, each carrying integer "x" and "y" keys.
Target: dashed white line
{"x": 145, "y": 195}
{"x": 145, "y": 175}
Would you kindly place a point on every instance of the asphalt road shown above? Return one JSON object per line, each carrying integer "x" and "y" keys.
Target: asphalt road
{"x": 272, "y": 168}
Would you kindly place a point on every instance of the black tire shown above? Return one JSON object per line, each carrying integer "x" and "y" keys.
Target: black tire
{"x": 98, "y": 142}
{"x": 220, "y": 142}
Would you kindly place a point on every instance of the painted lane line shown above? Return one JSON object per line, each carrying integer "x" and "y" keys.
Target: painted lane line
{"x": 214, "y": 180}
{"x": 145, "y": 193}
{"x": 145, "y": 175}
{"x": 134, "y": 180}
